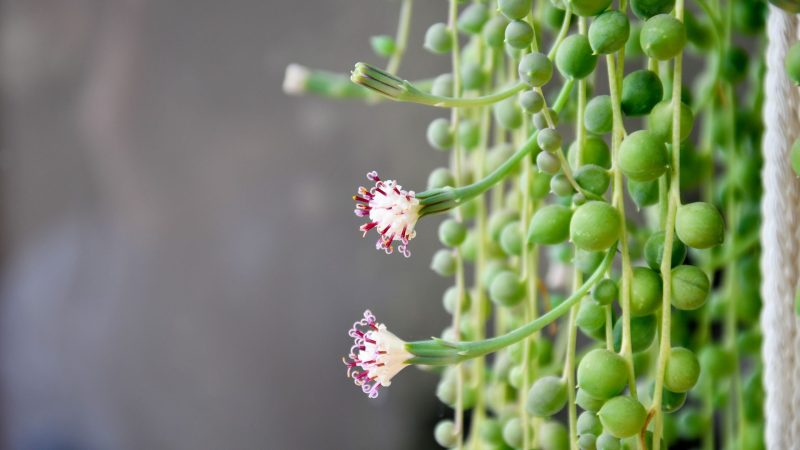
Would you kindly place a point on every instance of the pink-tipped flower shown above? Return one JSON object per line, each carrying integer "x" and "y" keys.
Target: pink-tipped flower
{"x": 392, "y": 212}
{"x": 376, "y": 356}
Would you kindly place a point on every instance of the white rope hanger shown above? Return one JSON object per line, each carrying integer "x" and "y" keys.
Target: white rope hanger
{"x": 780, "y": 240}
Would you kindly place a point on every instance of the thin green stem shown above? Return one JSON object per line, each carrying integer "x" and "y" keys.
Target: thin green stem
{"x": 562, "y": 33}
{"x": 457, "y": 173}
{"x": 481, "y": 218}
{"x": 529, "y": 278}
{"x": 669, "y": 236}
{"x": 443, "y": 199}
{"x": 394, "y": 88}
{"x": 609, "y": 330}
{"x": 569, "y": 371}
{"x": 619, "y": 202}
{"x": 572, "y": 329}
{"x": 401, "y": 39}
{"x": 473, "y": 349}
{"x": 438, "y": 352}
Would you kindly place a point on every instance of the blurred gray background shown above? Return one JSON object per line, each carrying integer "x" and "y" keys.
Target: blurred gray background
{"x": 180, "y": 261}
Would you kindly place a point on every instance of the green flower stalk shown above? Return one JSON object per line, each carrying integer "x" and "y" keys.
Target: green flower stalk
{"x": 437, "y": 352}
{"x": 397, "y": 89}
{"x": 377, "y": 355}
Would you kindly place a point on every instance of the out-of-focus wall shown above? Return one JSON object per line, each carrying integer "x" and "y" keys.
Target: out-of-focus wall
{"x": 181, "y": 262}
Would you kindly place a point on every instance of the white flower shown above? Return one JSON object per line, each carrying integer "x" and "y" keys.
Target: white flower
{"x": 392, "y": 212}
{"x": 376, "y": 356}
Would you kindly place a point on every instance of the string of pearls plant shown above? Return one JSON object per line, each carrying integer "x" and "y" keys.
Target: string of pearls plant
{"x": 601, "y": 216}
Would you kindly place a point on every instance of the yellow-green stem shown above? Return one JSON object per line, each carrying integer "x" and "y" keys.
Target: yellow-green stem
{"x": 401, "y": 39}
{"x": 669, "y": 236}
{"x": 481, "y": 217}
{"x": 569, "y": 371}
{"x": 454, "y": 122}
{"x": 619, "y": 202}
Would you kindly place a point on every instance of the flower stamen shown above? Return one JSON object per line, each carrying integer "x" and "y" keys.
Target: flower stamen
{"x": 381, "y": 355}
{"x": 390, "y": 208}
